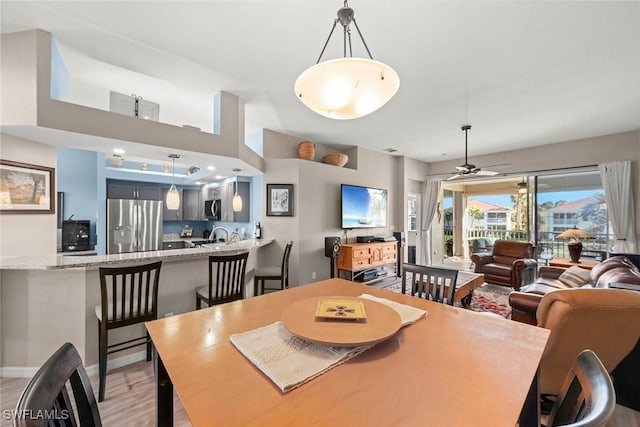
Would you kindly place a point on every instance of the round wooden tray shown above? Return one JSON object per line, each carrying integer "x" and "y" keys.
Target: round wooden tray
{"x": 381, "y": 323}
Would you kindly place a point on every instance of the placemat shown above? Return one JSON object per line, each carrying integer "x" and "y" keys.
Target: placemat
{"x": 290, "y": 361}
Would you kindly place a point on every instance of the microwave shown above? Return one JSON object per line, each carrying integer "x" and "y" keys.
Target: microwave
{"x": 213, "y": 209}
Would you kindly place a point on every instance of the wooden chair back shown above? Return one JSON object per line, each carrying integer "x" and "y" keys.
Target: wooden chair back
{"x": 46, "y": 395}
{"x": 285, "y": 265}
{"x": 129, "y": 294}
{"x": 432, "y": 283}
{"x": 226, "y": 277}
{"x": 587, "y": 397}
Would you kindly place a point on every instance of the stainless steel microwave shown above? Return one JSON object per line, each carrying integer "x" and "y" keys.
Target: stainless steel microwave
{"x": 213, "y": 209}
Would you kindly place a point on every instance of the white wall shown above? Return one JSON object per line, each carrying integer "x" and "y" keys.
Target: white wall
{"x": 27, "y": 234}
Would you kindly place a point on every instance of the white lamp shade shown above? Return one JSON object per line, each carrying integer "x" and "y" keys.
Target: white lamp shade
{"x": 347, "y": 88}
{"x": 173, "y": 198}
{"x": 237, "y": 203}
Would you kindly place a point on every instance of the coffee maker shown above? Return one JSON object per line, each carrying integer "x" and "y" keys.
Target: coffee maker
{"x": 76, "y": 235}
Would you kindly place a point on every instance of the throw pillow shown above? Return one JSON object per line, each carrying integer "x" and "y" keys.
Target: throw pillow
{"x": 575, "y": 276}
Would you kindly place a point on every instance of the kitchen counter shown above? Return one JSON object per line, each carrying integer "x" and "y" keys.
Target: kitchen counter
{"x": 55, "y": 262}
{"x": 50, "y": 300}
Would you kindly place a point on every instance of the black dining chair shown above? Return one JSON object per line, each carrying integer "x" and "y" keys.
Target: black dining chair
{"x": 46, "y": 401}
{"x": 280, "y": 273}
{"x": 129, "y": 295}
{"x": 587, "y": 397}
{"x": 432, "y": 283}
{"x": 226, "y": 283}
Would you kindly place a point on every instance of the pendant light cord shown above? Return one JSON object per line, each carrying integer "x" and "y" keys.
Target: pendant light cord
{"x": 345, "y": 17}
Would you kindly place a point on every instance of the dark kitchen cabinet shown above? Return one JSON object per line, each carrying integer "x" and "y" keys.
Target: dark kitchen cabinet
{"x": 192, "y": 205}
{"x": 140, "y": 192}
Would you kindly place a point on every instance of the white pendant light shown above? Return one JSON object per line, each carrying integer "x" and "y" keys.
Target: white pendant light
{"x": 237, "y": 200}
{"x": 173, "y": 196}
{"x": 346, "y": 88}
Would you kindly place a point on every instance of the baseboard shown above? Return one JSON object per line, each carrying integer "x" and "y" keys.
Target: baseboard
{"x": 28, "y": 372}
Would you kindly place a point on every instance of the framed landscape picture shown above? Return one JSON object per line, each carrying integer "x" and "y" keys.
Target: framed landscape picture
{"x": 279, "y": 199}
{"x": 26, "y": 189}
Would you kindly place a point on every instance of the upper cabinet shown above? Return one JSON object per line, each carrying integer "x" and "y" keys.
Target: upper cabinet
{"x": 192, "y": 205}
{"x": 141, "y": 192}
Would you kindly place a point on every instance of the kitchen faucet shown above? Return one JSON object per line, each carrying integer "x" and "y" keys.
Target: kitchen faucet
{"x": 226, "y": 232}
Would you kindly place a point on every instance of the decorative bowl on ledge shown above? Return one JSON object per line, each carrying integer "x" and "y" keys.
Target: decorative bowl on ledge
{"x": 337, "y": 159}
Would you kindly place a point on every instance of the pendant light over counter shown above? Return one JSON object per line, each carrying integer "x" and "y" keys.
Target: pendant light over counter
{"x": 237, "y": 200}
{"x": 173, "y": 196}
{"x": 346, "y": 88}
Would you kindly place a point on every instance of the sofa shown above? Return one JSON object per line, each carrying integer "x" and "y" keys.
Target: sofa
{"x": 531, "y": 305}
{"x": 509, "y": 264}
{"x": 609, "y": 273}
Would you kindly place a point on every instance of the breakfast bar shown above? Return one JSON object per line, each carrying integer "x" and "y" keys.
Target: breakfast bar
{"x": 47, "y": 300}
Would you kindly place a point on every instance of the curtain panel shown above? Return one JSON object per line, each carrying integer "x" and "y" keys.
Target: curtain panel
{"x": 618, "y": 193}
{"x": 430, "y": 192}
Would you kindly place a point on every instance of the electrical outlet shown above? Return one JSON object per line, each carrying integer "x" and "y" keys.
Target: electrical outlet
{"x": 313, "y": 275}
{"x": 168, "y": 314}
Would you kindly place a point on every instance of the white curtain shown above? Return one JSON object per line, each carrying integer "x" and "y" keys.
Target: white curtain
{"x": 618, "y": 193}
{"x": 430, "y": 191}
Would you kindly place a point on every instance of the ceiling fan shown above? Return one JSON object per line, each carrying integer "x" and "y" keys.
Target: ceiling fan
{"x": 467, "y": 169}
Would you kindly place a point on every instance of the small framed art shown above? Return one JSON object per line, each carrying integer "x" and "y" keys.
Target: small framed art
{"x": 279, "y": 199}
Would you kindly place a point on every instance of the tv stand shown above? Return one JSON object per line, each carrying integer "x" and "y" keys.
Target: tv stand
{"x": 367, "y": 262}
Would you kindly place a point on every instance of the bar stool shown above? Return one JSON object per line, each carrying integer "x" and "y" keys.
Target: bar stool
{"x": 129, "y": 295}
{"x": 229, "y": 280}
{"x": 274, "y": 273}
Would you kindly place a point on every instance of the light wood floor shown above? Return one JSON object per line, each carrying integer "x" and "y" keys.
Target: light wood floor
{"x": 130, "y": 400}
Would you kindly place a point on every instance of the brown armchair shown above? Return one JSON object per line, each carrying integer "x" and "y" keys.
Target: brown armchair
{"x": 510, "y": 264}
{"x": 603, "y": 320}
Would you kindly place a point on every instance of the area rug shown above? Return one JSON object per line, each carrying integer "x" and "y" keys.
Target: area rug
{"x": 491, "y": 298}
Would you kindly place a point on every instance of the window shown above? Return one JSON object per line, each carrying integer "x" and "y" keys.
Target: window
{"x": 412, "y": 210}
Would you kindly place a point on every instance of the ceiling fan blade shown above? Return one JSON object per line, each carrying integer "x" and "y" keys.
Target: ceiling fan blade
{"x": 500, "y": 166}
{"x": 458, "y": 175}
{"x": 486, "y": 173}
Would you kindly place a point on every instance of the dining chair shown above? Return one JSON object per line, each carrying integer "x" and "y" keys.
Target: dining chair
{"x": 227, "y": 284}
{"x": 46, "y": 400}
{"x": 272, "y": 272}
{"x": 129, "y": 295}
{"x": 432, "y": 283}
{"x": 587, "y": 397}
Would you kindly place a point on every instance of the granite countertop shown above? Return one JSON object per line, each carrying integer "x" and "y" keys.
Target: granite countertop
{"x": 56, "y": 262}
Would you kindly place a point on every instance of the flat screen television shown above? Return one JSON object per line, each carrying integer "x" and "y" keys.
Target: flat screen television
{"x": 363, "y": 207}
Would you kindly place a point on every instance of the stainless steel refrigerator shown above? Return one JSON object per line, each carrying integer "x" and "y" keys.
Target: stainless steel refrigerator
{"x": 133, "y": 225}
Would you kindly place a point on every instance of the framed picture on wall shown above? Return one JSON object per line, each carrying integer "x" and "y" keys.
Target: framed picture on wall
{"x": 279, "y": 199}
{"x": 26, "y": 188}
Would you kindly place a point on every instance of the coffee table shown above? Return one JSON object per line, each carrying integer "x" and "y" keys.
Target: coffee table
{"x": 465, "y": 284}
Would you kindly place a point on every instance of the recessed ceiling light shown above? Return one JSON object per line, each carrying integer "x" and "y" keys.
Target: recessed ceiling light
{"x": 218, "y": 176}
{"x": 198, "y": 183}
{"x": 211, "y": 168}
{"x": 118, "y": 151}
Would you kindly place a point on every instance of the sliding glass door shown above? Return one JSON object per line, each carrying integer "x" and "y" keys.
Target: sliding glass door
{"x": 566, "y": 201}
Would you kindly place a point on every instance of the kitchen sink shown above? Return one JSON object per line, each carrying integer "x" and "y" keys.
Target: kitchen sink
{"x": 178, "y": 244}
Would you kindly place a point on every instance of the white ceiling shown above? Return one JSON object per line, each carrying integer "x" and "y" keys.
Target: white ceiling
{"x": 523, "y": 73}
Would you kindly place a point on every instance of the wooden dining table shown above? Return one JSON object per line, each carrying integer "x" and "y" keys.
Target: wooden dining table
{"x": 455, "y": 367}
